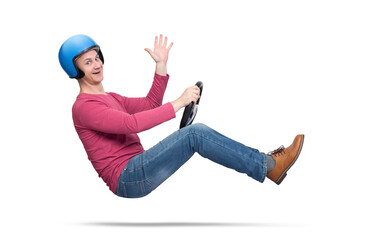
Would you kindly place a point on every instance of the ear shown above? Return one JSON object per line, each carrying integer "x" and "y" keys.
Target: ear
{"x": 79, "y": 72}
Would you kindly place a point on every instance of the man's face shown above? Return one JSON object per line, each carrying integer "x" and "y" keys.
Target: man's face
{"x": 92, "y": 66}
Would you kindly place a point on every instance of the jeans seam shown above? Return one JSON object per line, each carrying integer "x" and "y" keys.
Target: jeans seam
{"x": 124, "y": 193}
{"x": 141, "y": 184}
{"x": 264, "y": 168}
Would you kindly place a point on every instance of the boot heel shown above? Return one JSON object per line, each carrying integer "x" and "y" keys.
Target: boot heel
{"x": 281, "y": 179}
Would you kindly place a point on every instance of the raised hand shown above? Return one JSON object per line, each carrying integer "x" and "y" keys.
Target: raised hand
{"x": 160, "y": 52}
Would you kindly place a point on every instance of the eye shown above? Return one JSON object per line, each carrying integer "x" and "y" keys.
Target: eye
{"x": 87, "y": 63}
{"x": 97, "y": 58}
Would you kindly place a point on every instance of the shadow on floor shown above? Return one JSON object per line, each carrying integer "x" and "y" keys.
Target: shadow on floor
{"x": 185, "y": 224}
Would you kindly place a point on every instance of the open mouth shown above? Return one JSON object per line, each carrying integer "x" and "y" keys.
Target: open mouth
{"x": 97, "y": 72}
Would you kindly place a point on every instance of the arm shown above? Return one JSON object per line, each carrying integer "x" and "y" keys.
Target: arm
{"x": 152, "y": 100}
{"x": 98, "y": 116}
{"x": 160, "y": 56}
{"x": 155, "y": 96}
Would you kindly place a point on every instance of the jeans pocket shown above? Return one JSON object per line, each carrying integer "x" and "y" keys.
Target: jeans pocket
{"x": 136, "y": 189}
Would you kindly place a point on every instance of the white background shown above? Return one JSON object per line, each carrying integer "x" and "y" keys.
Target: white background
{"x": 271, "y": 69}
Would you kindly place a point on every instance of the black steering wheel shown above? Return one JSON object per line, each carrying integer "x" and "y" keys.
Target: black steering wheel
{"x": 191, "y": 109}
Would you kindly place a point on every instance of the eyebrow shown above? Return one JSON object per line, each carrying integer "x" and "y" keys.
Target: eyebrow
{"x": 89, "y": 58}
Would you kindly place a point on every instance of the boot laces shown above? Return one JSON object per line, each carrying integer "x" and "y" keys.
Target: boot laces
{"x": 278, "y": 151}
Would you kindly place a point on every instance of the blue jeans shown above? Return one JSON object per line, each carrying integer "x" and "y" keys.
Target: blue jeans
{"x": 147, "y": 170}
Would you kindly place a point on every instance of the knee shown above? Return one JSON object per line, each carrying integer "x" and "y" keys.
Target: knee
{"x": 198, "y": 127}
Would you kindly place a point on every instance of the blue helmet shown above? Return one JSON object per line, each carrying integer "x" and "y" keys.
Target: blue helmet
{"x": 71, "y": 49}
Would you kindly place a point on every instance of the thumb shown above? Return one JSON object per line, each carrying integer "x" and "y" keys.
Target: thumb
{"x": 148, "y": 50}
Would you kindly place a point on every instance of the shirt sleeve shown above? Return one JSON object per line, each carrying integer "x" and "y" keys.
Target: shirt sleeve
{"x": 153, "y": 99}
{"x": 96, "y": 115}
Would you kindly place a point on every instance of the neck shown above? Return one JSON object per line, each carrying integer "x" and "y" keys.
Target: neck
{"x": 91, "y": 89}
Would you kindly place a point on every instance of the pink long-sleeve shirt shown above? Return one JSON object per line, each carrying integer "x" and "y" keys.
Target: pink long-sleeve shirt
{"x": 108, "y": 125}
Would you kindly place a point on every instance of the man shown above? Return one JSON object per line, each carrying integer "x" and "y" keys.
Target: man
{"x": 107, "y": 124}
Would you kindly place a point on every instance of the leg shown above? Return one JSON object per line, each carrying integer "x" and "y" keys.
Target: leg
{"x": 149, "y": 169}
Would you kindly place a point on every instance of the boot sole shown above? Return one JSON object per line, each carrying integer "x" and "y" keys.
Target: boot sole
{"x": 284, "y": 174}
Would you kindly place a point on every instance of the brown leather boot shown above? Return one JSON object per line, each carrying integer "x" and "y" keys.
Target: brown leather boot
{"x": 285, "y": 158}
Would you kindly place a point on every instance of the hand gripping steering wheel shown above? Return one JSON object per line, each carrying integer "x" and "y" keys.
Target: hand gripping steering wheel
{"x": 191, "y": 109}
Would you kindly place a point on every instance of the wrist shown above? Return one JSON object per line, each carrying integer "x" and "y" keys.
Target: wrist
{"x": 161, "y": 68}
{"x": 177, "y": 105}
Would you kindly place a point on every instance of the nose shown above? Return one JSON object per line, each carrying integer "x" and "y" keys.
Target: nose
{"x": 97, "y": 64}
